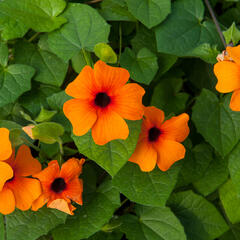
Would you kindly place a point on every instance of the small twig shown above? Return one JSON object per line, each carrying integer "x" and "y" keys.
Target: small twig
{"x": 94, "y": 1}
{"x": 216, "y": 22}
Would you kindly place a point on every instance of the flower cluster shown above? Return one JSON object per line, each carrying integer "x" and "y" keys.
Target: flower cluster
{"x": 23, "y": 185}
{"x": 102, "y": 100}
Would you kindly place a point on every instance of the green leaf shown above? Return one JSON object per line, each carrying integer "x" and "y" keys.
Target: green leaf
{"x": 206, "y": 52}
{"x": 142, "y": 66}
{"x": 232, "y": 34}
{"x": 116, "y": 10}
{"x": 31, "y": 225}
{"x": 152, "y": 223}
{"x": 45, "y": 115}
{"x": 234, "y": 167}
{"x": 150, "y": 12}
{"x": 195, "y": 164}
{"x": 15, "y": 80}
{"x": 91, "y": 217}
{"x": 3, "y": 54}
{"x": 36, "y": 98}
{"x": 216, "y": 122}
{"x": 167, "y": 96}
{"x": 50, "y": 69}
{"x": 48, "y": 132}
{"x": 113, "y": 155}
{"x": 214, "y": 176}
{"x": 232, "y": 234}
{"x": 147, "y": 188}
{"x": 230, "y": 201}
{"x": 85, "y": 28}
{"x": 57, "y": 100}
{"x": 79, "y": 61}
{"x": 105, "y": 53}
{"x": 11, "y": 28}
{"x": 183, "y": 31}
{"x": 200, "y": 218}
{"x": 41, "y": 16}
{"x": 2, "y": 229}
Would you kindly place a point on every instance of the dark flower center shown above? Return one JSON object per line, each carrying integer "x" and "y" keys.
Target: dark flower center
{"x": 102, "y": 99}
{"x": 58, "y": 185}
{"x": 153, "y": 134}
{"x": 9, "y": 180}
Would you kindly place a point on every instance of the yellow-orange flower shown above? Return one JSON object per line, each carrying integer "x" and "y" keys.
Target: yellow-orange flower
{"x": 6, "y": 147}
{"x": 60, "y": 186}
{"x": 102, "y": 100}
{"x": 16, "y": 190}
{"x": 227, "y": 71}
{"x": 159, "y": 141}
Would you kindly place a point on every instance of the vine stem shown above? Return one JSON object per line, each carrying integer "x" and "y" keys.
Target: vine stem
{"x": 30, "y": 144}
{"x": 94, "y": 1}
{"x": 87, "y": 58}
{"x": 33, "y": 37}
{"x": 5, "y": 227}
{"x": 120, "y": 43}
{"x": 215, "y": 22}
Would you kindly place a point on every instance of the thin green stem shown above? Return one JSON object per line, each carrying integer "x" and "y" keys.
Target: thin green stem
{"x": 5, "y": 227}
{"x": 216, "y": 22}
{"x": 123, "y": 202}
{"x": 61, "y": 151}
{"x": 120, "y": 43}
{"x": 33, "y": 37}
{"x": 87, "y": 58}
{"x": 30, "y": 144}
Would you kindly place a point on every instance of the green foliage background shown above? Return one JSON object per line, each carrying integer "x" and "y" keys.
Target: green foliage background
{"x": 169, "y": 47}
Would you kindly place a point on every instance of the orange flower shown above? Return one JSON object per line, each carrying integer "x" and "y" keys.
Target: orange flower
{"x": 227, "y": 71}
{"x": 102, "y": 101}
{"x": 6, "y": 147}
{"x": 16, "y": 190}
{"x": 60, "y": 186}
{"x": 159, "y": 141}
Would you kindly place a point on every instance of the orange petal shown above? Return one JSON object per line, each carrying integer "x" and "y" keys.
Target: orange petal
{"x": 169, "y": 152}
{"x": 25, "y": 164}
{"x": 81, "y": 114}
{"x": 62, "y": 205}
{"x": 74, "y": 190}
{"x": 71, "y": 169}
{"x": 154, "y": 115}
{"x": 228, "y": 75}
{"x": 109, "y": 126}
{"x": 176, "y": 128}
{"x": 234, "y": 53}
{"x": 109, "y": 78}
{"x": 6, "y": 173}
{"x": 145, "y": 156}
{"x": 128, "y": 101}
{"x": 6, "y": 146}
{"x": 235, "y": 101}
{"x": 39, "y": 202}
{"x": 50, "y": 173}
{"x": 7, "y": 201}
{"x": 83, "y": 86}
{"x": 26, "y": 191}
